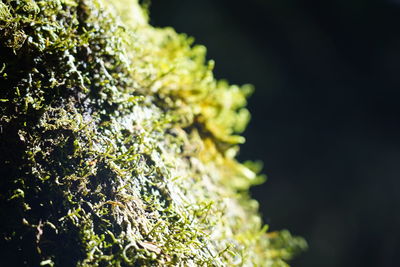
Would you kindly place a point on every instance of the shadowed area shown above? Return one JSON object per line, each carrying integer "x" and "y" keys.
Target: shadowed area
{"x": 324, "y": 114}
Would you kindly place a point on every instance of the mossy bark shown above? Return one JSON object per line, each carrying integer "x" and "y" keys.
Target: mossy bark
{"x": 117, "y": 145}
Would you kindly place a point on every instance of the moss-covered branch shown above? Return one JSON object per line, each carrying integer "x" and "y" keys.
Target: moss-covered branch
{"x": 118, "y": 145}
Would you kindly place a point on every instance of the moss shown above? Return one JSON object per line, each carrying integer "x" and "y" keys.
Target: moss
{"x": 118, "y": 145}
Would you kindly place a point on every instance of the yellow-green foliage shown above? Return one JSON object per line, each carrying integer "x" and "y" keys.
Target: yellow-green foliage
{"x": 118, "y": 145}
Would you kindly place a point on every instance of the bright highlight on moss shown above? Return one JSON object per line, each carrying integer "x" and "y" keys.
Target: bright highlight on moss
{"x": 118, "y": 145}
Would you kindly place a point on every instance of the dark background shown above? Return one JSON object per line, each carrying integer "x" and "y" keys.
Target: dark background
{"x": 325, "y": 114}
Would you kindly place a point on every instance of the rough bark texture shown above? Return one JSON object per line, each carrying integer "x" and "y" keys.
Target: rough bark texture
{"x": 118, "y": 145}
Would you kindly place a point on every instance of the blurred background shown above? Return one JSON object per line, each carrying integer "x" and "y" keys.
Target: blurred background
{"x": 325, "y": 114}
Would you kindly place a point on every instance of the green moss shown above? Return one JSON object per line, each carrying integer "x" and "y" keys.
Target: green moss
{"x": 118, "y": 145}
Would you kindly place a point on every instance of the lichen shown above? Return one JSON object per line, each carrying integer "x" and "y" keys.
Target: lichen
{"x": 118, "y": 145}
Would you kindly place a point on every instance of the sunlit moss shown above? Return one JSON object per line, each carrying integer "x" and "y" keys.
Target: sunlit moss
{"x": 118, "y": 145}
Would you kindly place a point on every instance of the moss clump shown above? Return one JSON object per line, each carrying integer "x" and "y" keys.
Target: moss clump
{"x": 118, "y": 145}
